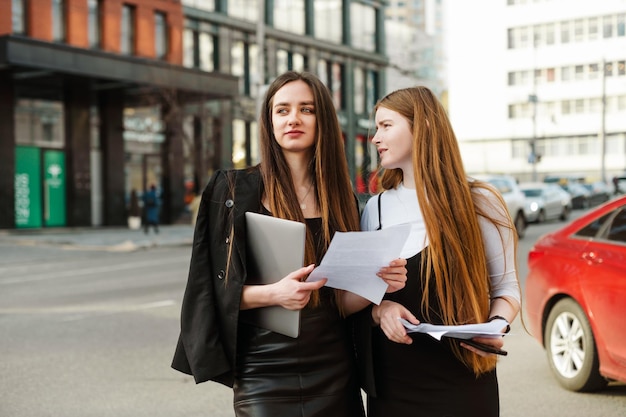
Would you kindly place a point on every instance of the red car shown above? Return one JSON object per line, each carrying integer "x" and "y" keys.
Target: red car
{"x": 576, "y": 298}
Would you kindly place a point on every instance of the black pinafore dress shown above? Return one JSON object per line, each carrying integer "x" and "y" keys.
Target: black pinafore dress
{"x": 425, "y": 378}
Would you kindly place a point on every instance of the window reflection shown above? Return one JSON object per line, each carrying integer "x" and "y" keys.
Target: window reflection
{"x": 328, "y": 17}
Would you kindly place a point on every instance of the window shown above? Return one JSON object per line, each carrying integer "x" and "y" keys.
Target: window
{"x": 607, "y": 26}
{"x": 58, "y": 20}
{"x": 289, "y": 16}
{"x": 363, "y": 26}
{"x": 244, "y": 9}
{"x": 579, "y": 30}
{"x": 617, "y": 232}
{"x": 594, "y": 70}
{"x": 18, "y": 16}
{"x": 328, "y": 20}
{"x": 591, "y": 230}
{"x": 127, "y": 41}
{"x": 336, "y": 85}
{"x": 94, "y": 23}
{"x": 160, "y": 35}
{"x": 550, "y": 35}
{"x": 371, "y": 90}
{"x": 359, "y": 91}
{"x": 39, "y": 122}
{"x": 593, "y": 28}
{"x": 199, "y": 45}
{"x": 565, "y": 32}
{"x": 620, "y": 25}
{"x": 208, "y": 5}
{"x": 322, "y": 71}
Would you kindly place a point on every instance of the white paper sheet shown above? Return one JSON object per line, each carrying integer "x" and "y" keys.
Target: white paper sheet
{"x": 354, "y": 258}
{"x": 465, "y": 331}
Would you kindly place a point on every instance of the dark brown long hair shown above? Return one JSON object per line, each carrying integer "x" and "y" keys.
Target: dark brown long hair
{"x": 456, "y": 263}
{"x": 328, "y": 166}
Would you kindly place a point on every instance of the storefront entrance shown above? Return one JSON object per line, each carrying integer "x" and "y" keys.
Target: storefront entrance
{"x": 39, "y": 187}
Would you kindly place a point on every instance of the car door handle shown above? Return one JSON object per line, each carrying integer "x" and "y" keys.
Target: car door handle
{"x": 592, "y": 258}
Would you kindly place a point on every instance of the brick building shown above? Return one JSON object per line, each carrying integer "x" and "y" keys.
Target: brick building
{"x": 102, "y": 97}
{"x": 92, "y": 94}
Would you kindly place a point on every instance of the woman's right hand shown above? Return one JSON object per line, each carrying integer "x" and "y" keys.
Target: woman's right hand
{"x": 293, "y": 292}
{"x": 386, "y": 314}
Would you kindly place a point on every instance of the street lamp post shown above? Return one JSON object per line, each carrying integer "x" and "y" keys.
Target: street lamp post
{"x": 604, "y": 68}
{"x": 532, "y": 158}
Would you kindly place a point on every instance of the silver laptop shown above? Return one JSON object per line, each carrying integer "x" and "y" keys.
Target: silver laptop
{"x": 275, "y": 249}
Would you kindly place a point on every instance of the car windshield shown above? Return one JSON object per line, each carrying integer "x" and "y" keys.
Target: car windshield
{"x": 532, "y": 193}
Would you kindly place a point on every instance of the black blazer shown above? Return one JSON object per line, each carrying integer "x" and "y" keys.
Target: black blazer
{"x": 206, "y": 346}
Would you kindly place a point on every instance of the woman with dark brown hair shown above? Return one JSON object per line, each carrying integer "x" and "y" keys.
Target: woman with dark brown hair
{"x": 461, "y": 268}
{"x": 303, "y": 176}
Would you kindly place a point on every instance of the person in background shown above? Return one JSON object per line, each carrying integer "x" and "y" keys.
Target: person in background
{"x": 303, "y": 176}
{"x": 461, "y": 266}
{"x": 151, "y": 208}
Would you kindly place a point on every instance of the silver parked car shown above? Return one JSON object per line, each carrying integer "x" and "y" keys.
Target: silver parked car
{"x": 545, "y": 202}
{"x": 512, "y": 195}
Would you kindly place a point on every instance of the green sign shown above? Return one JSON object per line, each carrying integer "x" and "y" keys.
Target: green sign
{"x": 27, "y": 187}
{"x": 54, "y": 188}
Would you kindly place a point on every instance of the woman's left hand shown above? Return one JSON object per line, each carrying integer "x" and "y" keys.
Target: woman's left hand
{"x": 394, "y": 275}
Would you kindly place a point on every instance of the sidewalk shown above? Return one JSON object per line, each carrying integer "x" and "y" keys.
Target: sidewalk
{"x": 119, "y": 239}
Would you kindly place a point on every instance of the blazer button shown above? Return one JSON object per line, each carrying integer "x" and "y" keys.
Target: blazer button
{"x": 227, "y": 240}
{"x": 229, "y": 203}
{"x": 221, "y": 274}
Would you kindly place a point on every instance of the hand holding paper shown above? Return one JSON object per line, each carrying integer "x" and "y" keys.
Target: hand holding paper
{"x": 354, "y": 258}
{"x": 465, "y": 331}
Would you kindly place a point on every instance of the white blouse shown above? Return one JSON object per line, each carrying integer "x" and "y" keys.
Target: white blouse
{"x": 400, "y": 205}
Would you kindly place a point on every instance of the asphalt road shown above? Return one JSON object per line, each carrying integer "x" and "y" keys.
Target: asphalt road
{"x": 91, "y": 333}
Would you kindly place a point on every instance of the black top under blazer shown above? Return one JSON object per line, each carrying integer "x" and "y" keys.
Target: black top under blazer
{"x": 206, "y": 346}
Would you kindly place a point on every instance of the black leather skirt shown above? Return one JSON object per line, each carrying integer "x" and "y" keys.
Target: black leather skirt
{"x": 312, "y": 375}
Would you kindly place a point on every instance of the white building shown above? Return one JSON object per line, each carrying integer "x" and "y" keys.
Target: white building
{"x": 548, "y": 73}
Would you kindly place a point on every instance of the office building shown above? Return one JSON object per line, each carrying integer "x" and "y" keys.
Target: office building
{"x": 538, "y": 88}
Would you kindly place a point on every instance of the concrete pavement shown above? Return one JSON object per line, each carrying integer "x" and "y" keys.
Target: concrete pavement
{"x": 119, "y": 239}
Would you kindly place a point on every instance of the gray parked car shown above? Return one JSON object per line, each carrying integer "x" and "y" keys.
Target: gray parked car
{"x": 545, "y": 202}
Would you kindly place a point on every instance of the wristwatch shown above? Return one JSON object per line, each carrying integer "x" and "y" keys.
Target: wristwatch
{"x": 508, "y": 325}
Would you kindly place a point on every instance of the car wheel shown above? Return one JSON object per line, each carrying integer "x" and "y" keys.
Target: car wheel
{"x": 520, "y": 225}
{"x": 571, "y": 348}
{"x": 564, "y": 214}
{"x": 541, "y": 217}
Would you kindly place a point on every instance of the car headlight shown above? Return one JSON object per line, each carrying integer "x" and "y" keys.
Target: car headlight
{"x": 534, "y": 206}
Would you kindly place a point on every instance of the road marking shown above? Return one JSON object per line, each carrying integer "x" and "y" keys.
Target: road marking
{"x": 88, "y": 271}
{"x": 91, "y": 309}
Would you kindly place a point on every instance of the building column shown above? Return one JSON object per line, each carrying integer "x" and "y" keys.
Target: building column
{"x": 111, "y": 105}
{"x": 173, "y": 181}
{"x": 7, "y": 150}
{"x": 77, "y": 113}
